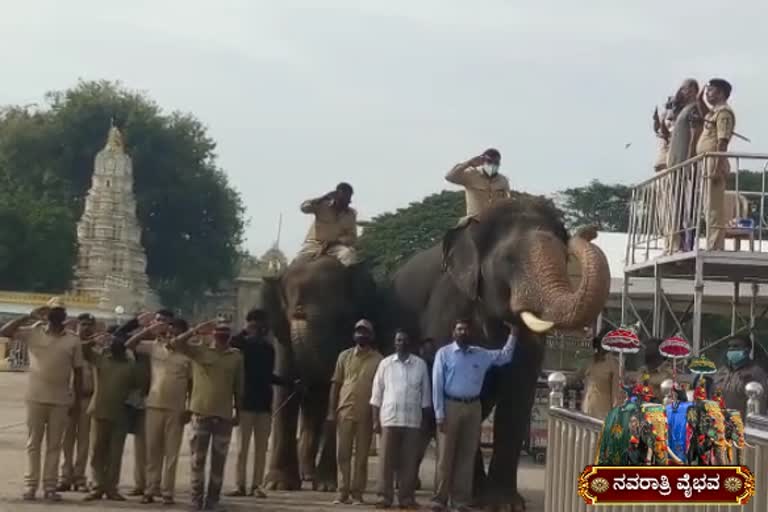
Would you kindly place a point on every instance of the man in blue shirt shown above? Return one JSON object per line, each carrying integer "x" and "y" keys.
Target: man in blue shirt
{"x": 458, "y": 374}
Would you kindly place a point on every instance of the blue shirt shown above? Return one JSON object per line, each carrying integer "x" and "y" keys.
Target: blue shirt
{"x": 460, "y": 373}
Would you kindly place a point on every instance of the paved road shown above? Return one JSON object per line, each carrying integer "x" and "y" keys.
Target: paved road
{"x": 12, "y": 464}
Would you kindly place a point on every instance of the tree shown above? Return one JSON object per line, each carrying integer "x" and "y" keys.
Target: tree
{"x": 391, "y": 238}
{"x": 192, "y": 220}
{"x": 605, "y": 206}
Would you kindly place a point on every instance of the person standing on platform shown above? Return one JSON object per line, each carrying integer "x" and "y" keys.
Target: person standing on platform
{"x": 166, "y": 405}
{"x": 719, "y": 123}
{"x": 601, "y": 382}
{"x": 457, "y": 381}
{"x": 116, "y": 378}
{"x": 401, "y": 401}
{"x": 78, "y": 434}
{"x": 256, "y": 416}
{"x": 740, "y": 370}
{"x": 55, "y": 362}
{"x": 659, "y": 368}
{"x": 349, "y": 409}
{"x": 216, "y": 402}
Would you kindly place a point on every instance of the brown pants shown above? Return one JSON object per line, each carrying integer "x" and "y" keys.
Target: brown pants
{"x": 49, "y": 421}
{"x": 108, "y": 440}
{"x": 163, "y": 431}
{"x": 399, "y": 454}
{"x": 353, "y": 435}
{"x": 140, "y": 453}
{"x": 77, "y": 439}
{"x": 716, "y": 217}
{"x": 457, "y": 448}
{"x": 257, "y": 425}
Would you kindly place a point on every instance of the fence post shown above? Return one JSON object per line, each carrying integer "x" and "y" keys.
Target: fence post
{"x": 754, "y": 391}
{"x": 556, "y": 382}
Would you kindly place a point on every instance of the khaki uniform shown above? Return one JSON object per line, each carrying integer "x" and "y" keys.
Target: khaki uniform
{"x": 115, "y": 379}
{"x": 217, "y": 386}
{"x": 77, "y": 437}
{"x": 481, "y": 191}
{"x": 355, "y": 369}
{"x": 166, "y": 403}
{"x": 52, "y": 359}
{"x": 601, "y": 388}
{"x": 332, "y": 229}
{"x": 718, "y": 125}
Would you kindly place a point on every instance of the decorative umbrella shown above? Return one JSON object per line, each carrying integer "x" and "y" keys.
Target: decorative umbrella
{"x": 702, "y": 366}
{"x": 675, "y": 348}
{"x": 623, "y": 341}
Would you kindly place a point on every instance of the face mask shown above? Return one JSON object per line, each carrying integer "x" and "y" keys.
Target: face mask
{"x": 490, "y": 169}
{"x": 362, "y": 339}
{"x": 736, "y": 357}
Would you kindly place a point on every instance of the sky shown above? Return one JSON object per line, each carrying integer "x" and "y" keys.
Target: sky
{"x": 389, "y": 94}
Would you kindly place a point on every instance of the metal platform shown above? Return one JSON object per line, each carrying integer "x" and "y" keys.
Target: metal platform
{"x": 668, "y": 240}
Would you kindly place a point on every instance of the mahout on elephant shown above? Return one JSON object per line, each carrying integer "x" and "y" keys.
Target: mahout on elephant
{"x": 313, "y": 306}
{"x": 507, "y": 265}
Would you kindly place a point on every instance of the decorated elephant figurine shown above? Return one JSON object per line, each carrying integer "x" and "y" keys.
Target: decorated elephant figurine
{"x": 734, "y": 435}
{"x": 707, "y": 442}
{"x": 634, "y": 435}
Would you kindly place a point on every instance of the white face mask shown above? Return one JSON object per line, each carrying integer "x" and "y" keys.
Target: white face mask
{"x": 490, "y": 169}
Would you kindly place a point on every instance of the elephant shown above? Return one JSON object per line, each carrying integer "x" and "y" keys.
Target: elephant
{"x": 509, "y": 264}
{"x": 634, "y": 434}
{"x": 312, "y": 308}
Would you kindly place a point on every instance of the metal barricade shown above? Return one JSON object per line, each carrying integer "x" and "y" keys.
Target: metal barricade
{"x": 573, "y": 442}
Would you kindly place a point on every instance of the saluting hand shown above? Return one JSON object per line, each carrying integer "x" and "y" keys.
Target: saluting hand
{"x": 205, "y": 327}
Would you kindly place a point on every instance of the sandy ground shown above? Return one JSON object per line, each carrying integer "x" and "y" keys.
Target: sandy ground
{"x": 12, "y": 466}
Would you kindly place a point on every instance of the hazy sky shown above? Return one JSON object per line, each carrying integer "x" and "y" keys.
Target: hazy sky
{"x": 388, "y": 94}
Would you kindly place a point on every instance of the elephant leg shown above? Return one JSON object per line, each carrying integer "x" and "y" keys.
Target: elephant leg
{"x": 283, "y": 468}
{"x": 326, "y": 473}
{"x": 309, "y": 436}
{"x": 512, "y": 417}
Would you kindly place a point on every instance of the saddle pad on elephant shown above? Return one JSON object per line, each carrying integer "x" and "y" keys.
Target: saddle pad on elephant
{"x": 677, "y": 420}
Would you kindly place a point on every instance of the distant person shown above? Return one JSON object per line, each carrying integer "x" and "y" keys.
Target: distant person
{"x": 401, "y": 401}
{"x": 457, "y": 379}
{"x": 216, "y": 402}
{"x": 482, "y": 182}
{"x": 719, "y": 123}
{"x": 349, "y": 409}
{"x": 256, "y": 417}
{"x": 661, "y": 127}
{"x": 166, "y": 404}
{"x": 601, "y": 382}
{"x": 686, "y": 128}
{"x": 77, "y": 437}
{"x": 334, "y": 230}
{"x": 740, "y": 369}
{"x": 55, "y": 360}
{"x": 116, "y": 378}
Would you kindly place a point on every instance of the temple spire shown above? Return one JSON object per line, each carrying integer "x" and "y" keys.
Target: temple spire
{"x": 114, "y": 138}
{"x": 276, "y": 245}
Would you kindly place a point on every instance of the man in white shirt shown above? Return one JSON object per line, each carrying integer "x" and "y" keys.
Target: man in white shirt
{"x": 401, "y": 401}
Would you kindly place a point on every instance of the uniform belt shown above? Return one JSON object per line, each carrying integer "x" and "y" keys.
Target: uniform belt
{"x": 462, "y": 400}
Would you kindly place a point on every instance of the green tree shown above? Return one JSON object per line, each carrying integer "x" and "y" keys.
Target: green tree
{"x": 391, "y": 238}
{"x": 600, "y": 204}
{"x": 192, "y": 219}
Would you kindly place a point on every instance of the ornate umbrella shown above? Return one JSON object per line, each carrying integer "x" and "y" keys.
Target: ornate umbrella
{"x": 702, "y": 366}
{"x": 623, "y": 341}
{"x": 675, "y": 348}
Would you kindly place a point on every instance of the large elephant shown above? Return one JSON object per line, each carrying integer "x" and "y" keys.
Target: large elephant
{"x": 313, "y": 306}
{"x": 510, "y": 264}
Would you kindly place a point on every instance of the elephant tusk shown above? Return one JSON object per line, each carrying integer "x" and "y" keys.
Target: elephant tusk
{"x": 535, "y": 323}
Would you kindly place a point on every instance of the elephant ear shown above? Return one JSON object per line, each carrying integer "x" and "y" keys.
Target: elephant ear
{"x": 273, "y": 302}
{"x": 461, "y": 258}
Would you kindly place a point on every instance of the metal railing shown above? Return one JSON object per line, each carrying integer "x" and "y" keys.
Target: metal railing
{"x": 573, "y": 442}
{"x": 668, "y": 212}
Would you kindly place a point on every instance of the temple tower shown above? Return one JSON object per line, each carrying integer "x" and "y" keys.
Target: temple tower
{"x": 111, "y": 264}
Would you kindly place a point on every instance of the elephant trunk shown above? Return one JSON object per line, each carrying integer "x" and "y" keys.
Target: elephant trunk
{"x": 550, "y": 300}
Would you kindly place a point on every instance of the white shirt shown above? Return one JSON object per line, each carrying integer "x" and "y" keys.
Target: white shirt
{"x": 401, "y": 390}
